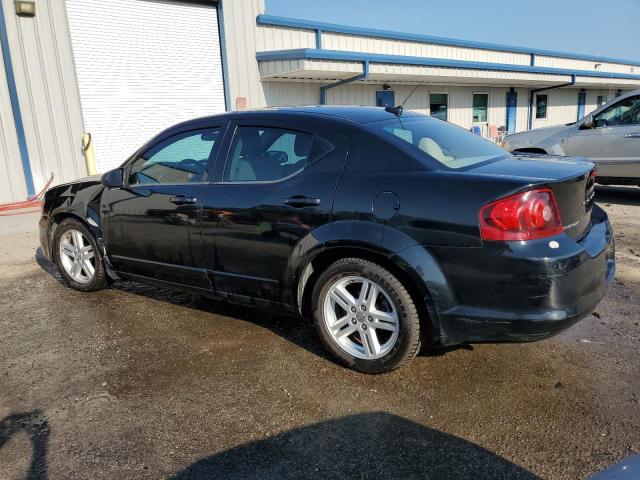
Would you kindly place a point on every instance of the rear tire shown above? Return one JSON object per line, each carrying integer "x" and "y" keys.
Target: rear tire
{"x": 365, "y": 317}
{"x": 78, "y": 258}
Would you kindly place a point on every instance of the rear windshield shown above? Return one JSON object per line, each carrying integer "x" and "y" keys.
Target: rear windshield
{"x": 433, "y": 139}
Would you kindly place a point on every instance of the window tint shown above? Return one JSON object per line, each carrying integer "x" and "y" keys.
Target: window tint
{"x": 182, "y": 158}
{"x": 451, "y": 146}
{"x": 480, "y": 102}
{"x": 438, "y": 105}
{"x": 625, "y": 112}
{"x": 541, "y": 106}
{"x": 269, "y": 154}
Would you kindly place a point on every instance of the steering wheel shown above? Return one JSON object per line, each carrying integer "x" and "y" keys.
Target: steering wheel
{"x": 190, "y": 165}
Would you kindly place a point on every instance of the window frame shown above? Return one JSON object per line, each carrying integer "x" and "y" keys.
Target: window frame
{"x": 258, "y": 123}
{"x": 546, "y": 106}
{"x": 447, "y": 104}
{"x": 153, "y": 143}
{"x": 473, "y": 94}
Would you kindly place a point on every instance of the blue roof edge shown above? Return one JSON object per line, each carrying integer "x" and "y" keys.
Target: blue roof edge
{"x": 338, "y": 55}
{"x": 416, "y": 37}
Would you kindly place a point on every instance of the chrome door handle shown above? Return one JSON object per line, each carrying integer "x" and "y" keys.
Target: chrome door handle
{"x": 632, "y": 135}
{"x": 183, "y": 200}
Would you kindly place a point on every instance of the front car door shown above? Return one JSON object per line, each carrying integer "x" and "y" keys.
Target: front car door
{"x": 153, "y": 224}
{"x": 614, "y": 142}
{"x": 277, "y": 186}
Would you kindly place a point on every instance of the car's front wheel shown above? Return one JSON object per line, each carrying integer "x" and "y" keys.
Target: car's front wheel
{"x": 77, "y": 257}
{"x": 365, "y": 317}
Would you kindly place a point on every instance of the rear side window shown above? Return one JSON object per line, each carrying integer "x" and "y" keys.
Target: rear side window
{"x": 260, "y": 154}
{"x": 182, "y": 158}
{"x": 431, "y": 139}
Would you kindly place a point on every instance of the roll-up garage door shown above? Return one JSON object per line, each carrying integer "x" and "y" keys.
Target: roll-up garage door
{"x": 142, "y": 66}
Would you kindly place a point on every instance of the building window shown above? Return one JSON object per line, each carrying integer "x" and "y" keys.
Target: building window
{"x": 541, "y": 106}
{"x": 438, "y": 105}
{"x": 601, "y": 100}
{"x": 480, "y": 103}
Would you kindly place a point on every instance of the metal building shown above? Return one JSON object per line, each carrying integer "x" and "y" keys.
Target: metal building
{"x": 122, "y": 70}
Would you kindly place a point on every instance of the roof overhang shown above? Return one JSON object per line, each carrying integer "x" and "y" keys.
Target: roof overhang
{"x": 319, "y": 65}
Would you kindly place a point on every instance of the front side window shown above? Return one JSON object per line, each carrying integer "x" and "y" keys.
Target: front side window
{"x": 438, "y": 105}
{"x": 480, "y": 103}
{"x": 182, "y": 158}
{"x": 451, "y": 146}
{"x": 541, "y": 106}
{"x": 625, "y": 112}
{"x": 260, "y": 154}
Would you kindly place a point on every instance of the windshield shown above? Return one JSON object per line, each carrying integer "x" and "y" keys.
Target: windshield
{"x": 449, "y": 145}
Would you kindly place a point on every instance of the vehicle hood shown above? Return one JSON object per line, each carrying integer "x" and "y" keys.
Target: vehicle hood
{"x": 536, "y": 168}
{"x": 534, "y": 138}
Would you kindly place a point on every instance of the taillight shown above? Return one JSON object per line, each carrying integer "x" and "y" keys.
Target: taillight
{"x": 523, "y": 216}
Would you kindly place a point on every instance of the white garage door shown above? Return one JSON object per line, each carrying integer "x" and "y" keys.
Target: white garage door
{"x": 143, "y": 66}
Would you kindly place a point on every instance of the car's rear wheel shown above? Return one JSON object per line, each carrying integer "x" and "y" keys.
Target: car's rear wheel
{"x": 77, "y": 257}
{"x": 365, "y": 317}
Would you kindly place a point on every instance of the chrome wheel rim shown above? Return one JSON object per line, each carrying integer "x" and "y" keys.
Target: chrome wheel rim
{"x": 77, "y": 256}
{"x": 361, "y": 318}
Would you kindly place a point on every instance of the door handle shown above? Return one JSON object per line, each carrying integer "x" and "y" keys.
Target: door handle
{"x": 183, "y": 200}
{"x": 299, "y": 201}
{"x": 632, "y": 135}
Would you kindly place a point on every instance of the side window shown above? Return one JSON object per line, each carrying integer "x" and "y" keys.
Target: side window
{"x": 625, "y": 112}
{"x": 261, "y": 154}
{"x": 182, "y": 158}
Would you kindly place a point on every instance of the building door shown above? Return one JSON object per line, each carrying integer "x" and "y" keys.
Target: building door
{"x": 143, "y": 66}
{"x": 385, "y": 98}
{"x": 582, "y": 100}
{"x": 512, "y": 102}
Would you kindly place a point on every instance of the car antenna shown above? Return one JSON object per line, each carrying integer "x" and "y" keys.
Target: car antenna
{"x": 398, "y": 109}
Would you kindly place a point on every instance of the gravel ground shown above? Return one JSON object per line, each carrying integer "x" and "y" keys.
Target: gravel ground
{"x": 140, "y": 382}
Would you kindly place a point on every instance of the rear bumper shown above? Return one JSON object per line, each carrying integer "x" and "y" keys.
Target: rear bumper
{"x": 527, "y": 291}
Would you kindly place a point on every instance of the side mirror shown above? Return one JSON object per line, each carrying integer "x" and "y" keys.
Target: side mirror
{"x": 113, "y": 178}
{"x": 588, "y": 123}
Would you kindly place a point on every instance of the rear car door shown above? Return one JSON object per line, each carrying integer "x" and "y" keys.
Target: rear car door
{"x": 153, "y": 224}
{"x": 614, "y": 142}
{"x": 276, "y": 187}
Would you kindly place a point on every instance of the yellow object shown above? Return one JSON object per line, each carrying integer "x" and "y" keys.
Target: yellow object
{"x": 87, "y": 146}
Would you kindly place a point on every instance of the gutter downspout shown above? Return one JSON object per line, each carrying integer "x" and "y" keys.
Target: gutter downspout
{"x": 324, "y": 88}
{"x": 533, "y": 92}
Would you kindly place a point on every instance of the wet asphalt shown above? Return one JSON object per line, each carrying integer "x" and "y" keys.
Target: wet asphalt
{"x": 142, "y": 382}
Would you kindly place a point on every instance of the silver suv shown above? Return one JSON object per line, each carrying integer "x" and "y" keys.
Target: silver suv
{"x": 610, "y": 137}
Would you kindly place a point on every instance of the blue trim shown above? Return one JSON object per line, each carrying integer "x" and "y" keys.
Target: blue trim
{"x": 337, "y": 55}
{"x": 15, "y": 105}
{"x": 223, "y": 53}
{"x": 414, "y": 37}
{"x": 324, "y": 88}
{"x": 318, "y": 38}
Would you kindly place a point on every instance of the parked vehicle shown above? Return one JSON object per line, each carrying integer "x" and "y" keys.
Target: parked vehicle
{"x": 386, "y": 229}
{"x": 610, "y": 137}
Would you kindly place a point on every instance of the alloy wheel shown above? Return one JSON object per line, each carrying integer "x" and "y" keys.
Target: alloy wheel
{"x": 77, "y": 256}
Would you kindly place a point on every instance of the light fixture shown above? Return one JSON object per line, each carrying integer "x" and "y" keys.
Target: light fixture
{"x": 25, "y": 8}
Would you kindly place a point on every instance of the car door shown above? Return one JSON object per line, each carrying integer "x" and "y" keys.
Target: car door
{"x": 276, "y": 187}
{"x": 153, "y": 224}
{"x": 614, "y": 142}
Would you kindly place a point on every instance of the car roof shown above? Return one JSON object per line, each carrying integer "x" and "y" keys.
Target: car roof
{"x": 358, "y": 114}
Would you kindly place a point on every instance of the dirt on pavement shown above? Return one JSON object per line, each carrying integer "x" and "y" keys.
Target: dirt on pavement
{"x": 142, "y": 382}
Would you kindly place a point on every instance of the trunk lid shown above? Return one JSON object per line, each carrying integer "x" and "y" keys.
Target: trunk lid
{"x": 571, "y": 179}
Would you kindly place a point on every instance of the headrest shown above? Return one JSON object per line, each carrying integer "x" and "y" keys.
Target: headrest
{"x": 302, "y": 145}
{"x": 250, "y": 141}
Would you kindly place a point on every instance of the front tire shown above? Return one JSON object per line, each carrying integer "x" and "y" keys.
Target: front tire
{"x": 365, "y": 317}
{"x": 78, "y": 258}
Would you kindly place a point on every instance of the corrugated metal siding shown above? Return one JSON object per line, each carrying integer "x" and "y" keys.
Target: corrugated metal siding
{"x": 12, "y": 184}
{"x": 47, "y": 92}
{"x": 356, "y": 43}
{"x": 557, "y": 62}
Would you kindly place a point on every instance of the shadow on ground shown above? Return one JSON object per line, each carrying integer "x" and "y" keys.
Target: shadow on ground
{"x": 35, "y": 425}
{"x": 371, "y": 445}
{"x": 618, "y": 195}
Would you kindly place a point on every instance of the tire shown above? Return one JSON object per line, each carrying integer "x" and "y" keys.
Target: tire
{"x": 386, "y": 312}
{"x": 65, "y": 239}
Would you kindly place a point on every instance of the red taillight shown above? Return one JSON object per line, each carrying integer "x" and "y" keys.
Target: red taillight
{"x": 523, "y": 216}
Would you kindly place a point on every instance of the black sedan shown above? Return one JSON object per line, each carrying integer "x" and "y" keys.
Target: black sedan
{"x": 388, "y": 229}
